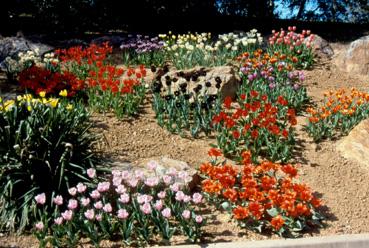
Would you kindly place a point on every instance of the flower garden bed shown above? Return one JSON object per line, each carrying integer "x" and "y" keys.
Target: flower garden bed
{"x": 234, "y": 204}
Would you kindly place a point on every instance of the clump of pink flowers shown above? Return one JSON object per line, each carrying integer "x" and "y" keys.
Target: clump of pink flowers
{"x": 135, "y": 205}
{"x": 292, "y": 43}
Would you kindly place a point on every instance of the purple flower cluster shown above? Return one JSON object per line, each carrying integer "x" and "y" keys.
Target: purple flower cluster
{"x": 142, "y": 44}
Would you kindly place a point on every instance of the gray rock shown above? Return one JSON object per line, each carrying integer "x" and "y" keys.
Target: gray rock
{"x": 164, "y": 164}
{"x": 321, "y": 47}
{"x": 11, "y": 46}
{"x": 113, "y": 40}
{"x": 356, "y": 58}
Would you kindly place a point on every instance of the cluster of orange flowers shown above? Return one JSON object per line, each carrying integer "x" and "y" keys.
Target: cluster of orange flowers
{"x": 341, "y": 101}
{"x": 253, "y": 189}
{"x": 260, "y": 59}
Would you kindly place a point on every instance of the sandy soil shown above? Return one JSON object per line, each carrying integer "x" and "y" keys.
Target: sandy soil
{"x": 342, "y": 184}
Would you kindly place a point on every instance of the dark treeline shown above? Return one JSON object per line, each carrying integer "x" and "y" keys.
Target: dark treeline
{"x": 79, "y": 16}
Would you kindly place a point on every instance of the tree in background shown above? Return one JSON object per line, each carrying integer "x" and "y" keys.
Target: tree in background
{"x": 248, "y": 8}
{"x": 329, "y": 10}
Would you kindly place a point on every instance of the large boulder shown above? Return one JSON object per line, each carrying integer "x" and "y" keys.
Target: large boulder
{"x": 355, "y": 146}
{"x": 113, "y": 40}
{"x": 321, "y": 47}
{"x": 356, "y": 58}
{"x": 11, "y": 46}
{"x": 226, "y": 77}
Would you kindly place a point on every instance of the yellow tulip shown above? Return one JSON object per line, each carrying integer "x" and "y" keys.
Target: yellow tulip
{"x": 53, "y": 102}
{"x": 63, "y": 93}
{"x": 29, "y": 108}
{"x": 9, "y": 104}
{"x": 69, "y": 107}
{"x": 42, "y": 94}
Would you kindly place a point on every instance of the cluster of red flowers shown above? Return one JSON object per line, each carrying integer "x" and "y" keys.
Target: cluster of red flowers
{"x": 39, "y": 79}
{"x": 254, "y": 189}
{"x": 90, "y": 54}
{"x": 254, "y": 123}
{"x": 109, "y": 77}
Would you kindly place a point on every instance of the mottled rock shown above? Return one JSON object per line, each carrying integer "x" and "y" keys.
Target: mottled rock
{"x": 321, "y": 47}
{"x": 164, "y": 164}
{"x": 113, "y": 40}
{"x": 226, "y": 75}
{"x": 356, "y": 58}
{"x": 355, "y": 146}
{"x": 11, "y": 46}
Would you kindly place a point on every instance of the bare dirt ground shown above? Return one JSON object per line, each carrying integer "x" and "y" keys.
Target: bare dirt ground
{"x": 342, "y": 184}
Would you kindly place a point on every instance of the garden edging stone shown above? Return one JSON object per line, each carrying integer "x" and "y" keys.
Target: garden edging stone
{"x": 336, "y": 241}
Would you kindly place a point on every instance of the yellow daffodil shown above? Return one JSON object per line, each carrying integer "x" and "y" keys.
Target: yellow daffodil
{"x": 42, "y": 94}
{"x": 63, "y": 93}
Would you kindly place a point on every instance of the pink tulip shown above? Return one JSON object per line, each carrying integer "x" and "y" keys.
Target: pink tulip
{"x": 162, "y": 194}
{"x": 58, "y": 221}
{"x": 197, "y": 198}
{"x": 186, "y": 214}
{"x": 98, "y": 217}
{"x": 91, "y": 173}
{"x": 72, "y": 204}
{"x": 67, "y": 215}
{"x": 98, "y": 205}
{"x": 187, "y": 198}
{"x": 120, "y": 189}
{"x": 85, "y": 202}
{"x": 95, "y": 194}
{"x": 116, "y": 173}
{"x": 117, "y": 181}
{"x": 81, "y": 187}
{"x": 152, "y": 181}
{"x": 124, "y": 198}
{"x": 72, "y": 191}
{"x": 58, "y": 200}
{"x": 180, "y": 196}
{"x": 198, "y": 219}
{"x": 167, "y": 179}
{"x": 122, "y": 214}
{"x": 174, "y": 187}
{"x": 146, "y": 208}
{"x": 133, "y": 182}
{"x": 166, "y": 213}
{"x": 40, "y": 198}
{"x": 90, "y": 214}
{"x": 107, "y": 208}
{"x": 158, "y": 205}
{"x": 39, "y": 226}
{"x": 103, "y": 187}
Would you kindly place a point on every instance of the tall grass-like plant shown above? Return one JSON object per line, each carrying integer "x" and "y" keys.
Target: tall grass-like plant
{"x": 45, "y": 146}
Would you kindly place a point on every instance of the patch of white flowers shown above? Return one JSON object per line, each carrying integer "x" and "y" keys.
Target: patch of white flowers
{"x": 235, "y": 42}
{"x": 26, "y": 59}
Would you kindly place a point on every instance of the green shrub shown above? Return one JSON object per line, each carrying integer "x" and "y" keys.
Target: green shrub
{"x": 45, "y": 146}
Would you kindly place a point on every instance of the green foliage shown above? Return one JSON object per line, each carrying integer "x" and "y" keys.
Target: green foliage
{"x": 43, "y": 148}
